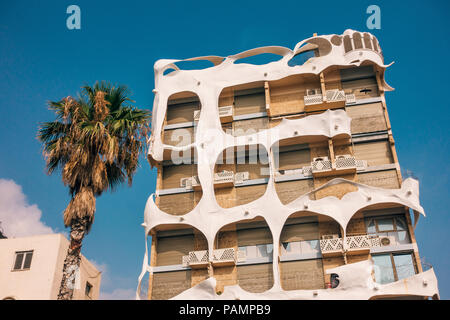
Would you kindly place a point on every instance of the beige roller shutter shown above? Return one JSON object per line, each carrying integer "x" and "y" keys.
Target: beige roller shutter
{"x": 367, "y": 118}
{"x": 375, "y": 153}
{"x": 178, "y": 203}
{"x": 172, "y": 174}
{"x": 291, "y": 190}
{"x": 170, "y": 250}
{"x": 179, "y": 137}
{"x": 299, "y": 232}
{"x": 251, "y": 237}
{"x": 249, "y": 103}
{"x": 368, "y": 86}
{"x": 169, "y": 284}
{"x": 248, "y": 194}
{"x": 294, "y": 159}
{"x": 255, "y": 278}
{"x": 251, "y": 126}
{"x": 179, "y": 113}
{"x": 302, "y": 275}
{"x": 383, "y": 179}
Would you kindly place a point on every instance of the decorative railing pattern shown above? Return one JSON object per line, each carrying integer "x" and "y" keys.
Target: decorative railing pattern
{"x": 345, "y": 163}
{"x": 198, "y": 256}
{"x": 224, "y": 255}
{"x": 352, "y": 243}
{"x": 224, "y": 176}
{"x": 321, "y": 165}
{"x": 313, "y": 99}
{"x": 335, "y": 95}
{"x": 197, "y": 115}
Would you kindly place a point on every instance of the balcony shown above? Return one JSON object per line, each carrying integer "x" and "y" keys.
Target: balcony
{"x": 321, "y": 167}
{"x": 315, "y": 101}
{"x": 224, "y": 257}
{"x": 343, "y": 164}
{"x": 196, "y": 259}
{"x": 361, "y": 244}
{"x": 226, "y": 114}
{"x": 224, "y": 179}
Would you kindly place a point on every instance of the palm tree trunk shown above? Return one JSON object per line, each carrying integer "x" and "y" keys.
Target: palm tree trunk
{"x": 78, "y": 228}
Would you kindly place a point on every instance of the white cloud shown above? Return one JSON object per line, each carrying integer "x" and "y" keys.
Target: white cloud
{"x": 17, "y": 217}
{"x": 119, "y": 294}
{"x": 108, "y": 282}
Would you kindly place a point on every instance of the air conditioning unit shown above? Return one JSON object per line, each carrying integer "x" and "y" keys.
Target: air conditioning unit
{"x": 344, "y": 156}
{"x": 320, "y": 159}
{"x": 386, "y": 241}
{"x": 335, "y": 95}
{"x": 313, "y": 92}
{"x": 196, "y": 115}
{"x": 240, "y": 177}
{"x": 330, "y": 236}
{"x": 350, "y": 98}
{"x": 226, "y": 114}
{"x": 186, "y": 183}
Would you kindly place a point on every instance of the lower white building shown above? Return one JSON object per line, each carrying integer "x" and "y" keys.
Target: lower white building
{"x": 31, "y": 269}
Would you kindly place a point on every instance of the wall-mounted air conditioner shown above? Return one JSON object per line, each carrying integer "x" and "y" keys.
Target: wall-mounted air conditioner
{"x": 386, "y": 241}
{"x": 344, "y": 156}
{"x": 226, "y": 114}
{"x": 320, "y": 159}
{"x": 313, "y": 92}
{"x": 240, "y": 177}
{"x": 350, "y": 98}
{"x": 330, "y": 236}
{"x": 186, "y": 183}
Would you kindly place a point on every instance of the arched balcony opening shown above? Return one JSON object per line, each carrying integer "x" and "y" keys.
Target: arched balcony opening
{"x": 241, "y": 175}
{"x": 179, "y": 259}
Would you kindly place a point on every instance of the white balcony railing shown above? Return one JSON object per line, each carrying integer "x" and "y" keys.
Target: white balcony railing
{"x": 353, "y": 243}
{"x": 335, "y": 95}
{"x": 224, "y": 257}
{"x": 345, "y": 162}
{"x": 196, "y": 115}
{"x": 313, "y": 99}
{"x": 320, "y": 166}
{"x": 196, "y": 259}
{"x": 224, "y": 179}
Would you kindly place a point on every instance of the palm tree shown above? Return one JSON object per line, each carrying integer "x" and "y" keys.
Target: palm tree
{"x": 95, "y": 141}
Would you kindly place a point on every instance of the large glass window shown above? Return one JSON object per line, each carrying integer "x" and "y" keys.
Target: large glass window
{"x": 300, "y": 247}
{"x": 257, "y": 251}
{"x": 394, "y": 226}
{"x": 392, "y": 267}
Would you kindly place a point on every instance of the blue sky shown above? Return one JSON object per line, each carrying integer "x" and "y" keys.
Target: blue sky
{"x": 41, "y": 60}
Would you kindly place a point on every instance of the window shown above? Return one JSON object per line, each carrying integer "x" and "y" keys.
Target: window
{"x": 394, "y": 226}
{"x": 300, "y": 247}
{"x": 23, "y": 260}
{"x": 393, "y": 267}
{"x": 88, "y": 289}
{"x": 257, "y": 251}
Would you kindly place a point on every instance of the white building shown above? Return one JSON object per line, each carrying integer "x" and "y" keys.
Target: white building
{"x": 31, "y": 269}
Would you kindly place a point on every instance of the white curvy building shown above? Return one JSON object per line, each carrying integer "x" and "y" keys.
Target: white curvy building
{"x": 31, "y": 269}
{"x": 280, "y": 180}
